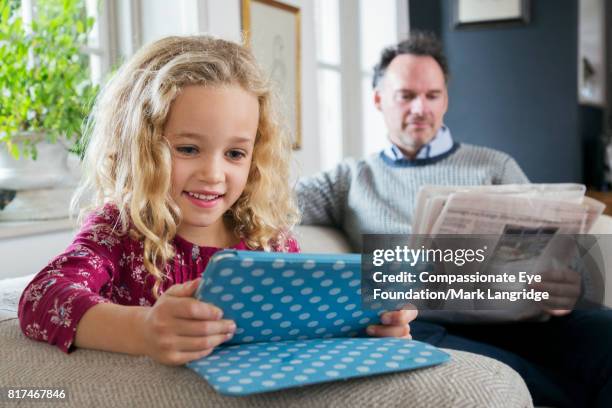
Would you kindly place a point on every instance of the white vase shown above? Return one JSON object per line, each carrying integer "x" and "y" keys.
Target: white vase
{"x": 44, "y": 186}
{"x": 48, "y": 170}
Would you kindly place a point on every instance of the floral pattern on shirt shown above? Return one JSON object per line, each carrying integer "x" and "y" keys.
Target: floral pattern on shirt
{"x": 33, "y": 330}
{"x": 61, "y": 312}
{"x": 101, "y": 265}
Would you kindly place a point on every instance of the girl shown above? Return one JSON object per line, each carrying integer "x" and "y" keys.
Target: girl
{"x": 185, "y": 157}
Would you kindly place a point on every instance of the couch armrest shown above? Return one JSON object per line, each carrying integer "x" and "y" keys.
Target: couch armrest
{"x": 603, "y": 226}
{"x": 96, "y": 378}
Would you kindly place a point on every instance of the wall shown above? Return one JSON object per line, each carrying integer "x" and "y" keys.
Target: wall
{"x": 514, "y": 88}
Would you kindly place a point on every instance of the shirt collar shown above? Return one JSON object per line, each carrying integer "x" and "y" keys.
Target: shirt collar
{"x": 439, "y": 145}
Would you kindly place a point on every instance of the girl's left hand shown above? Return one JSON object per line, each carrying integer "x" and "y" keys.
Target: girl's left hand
{"x": 394, "y": 324}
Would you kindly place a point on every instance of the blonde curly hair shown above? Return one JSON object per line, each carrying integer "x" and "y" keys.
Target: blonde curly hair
{"x": 128, "y": 160}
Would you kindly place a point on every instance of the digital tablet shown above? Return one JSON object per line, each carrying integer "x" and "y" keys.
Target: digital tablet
{"x": 296, "y": 315}
{"x": 280, "y": 296}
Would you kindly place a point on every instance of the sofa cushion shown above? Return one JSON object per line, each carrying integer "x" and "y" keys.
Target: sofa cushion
{"x": 96, "y": 378}
{"x": 320, "y": 239}
{"x": 10, "y": 291}
{"x": 603, "y": 225}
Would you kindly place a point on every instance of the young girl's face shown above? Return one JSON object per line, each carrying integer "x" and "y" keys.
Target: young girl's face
{"x": 212, "y": 134}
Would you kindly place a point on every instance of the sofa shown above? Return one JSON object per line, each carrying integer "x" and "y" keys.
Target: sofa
{"x": 96, "y": 378}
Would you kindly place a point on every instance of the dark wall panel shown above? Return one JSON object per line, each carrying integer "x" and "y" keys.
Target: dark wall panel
{"x": 514, "y": 88}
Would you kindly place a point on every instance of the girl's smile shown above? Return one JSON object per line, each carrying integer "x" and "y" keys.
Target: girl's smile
{"x": 204, "y": 199}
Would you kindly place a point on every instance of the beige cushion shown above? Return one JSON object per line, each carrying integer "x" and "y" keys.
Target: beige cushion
{"x": 96, "y": 378}
{"x": 319, "y": 239}
{"x": 603, "y": 225}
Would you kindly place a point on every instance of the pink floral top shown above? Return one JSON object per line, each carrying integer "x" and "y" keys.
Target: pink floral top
{"x": 101, "y": 266}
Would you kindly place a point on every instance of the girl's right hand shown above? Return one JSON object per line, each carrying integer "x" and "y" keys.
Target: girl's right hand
{"x": 180, "y": 328}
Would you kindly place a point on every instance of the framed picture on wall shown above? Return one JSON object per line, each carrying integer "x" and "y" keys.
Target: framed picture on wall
{"x": 272, "y": 30}
{"x": 490, "y": 13}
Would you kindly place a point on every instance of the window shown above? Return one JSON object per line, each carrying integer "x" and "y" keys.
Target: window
{"x": 379, "y": 29}
{"x": 98, "y": 48}
{"x": 350, "y": 35}
{"x": 329, "y": 74}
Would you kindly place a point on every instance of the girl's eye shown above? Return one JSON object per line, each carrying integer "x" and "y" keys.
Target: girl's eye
{"x": 187, "y": 150}
{"x": 236, "y": 154}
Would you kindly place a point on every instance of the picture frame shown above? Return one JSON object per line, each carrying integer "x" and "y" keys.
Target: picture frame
{"x": 272, "y": 31}
{"x": 490, "y": 13}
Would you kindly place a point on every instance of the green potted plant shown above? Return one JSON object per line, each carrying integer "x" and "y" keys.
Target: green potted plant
{"x": 45, "y": 91}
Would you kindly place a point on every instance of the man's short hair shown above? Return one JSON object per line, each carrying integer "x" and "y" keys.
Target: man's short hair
{"x": 418, "y": 43}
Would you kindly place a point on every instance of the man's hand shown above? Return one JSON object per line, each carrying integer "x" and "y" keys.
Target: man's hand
{"x": 563, "y": 286}
{"x": 394, "y": 324}
{"x": 179, "y": 328}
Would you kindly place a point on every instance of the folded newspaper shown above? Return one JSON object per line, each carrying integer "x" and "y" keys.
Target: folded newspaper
{"x": 508, "y": 212}
{"x": 489, "y": 209}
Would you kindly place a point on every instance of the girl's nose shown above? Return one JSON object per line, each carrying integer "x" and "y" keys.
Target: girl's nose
{"x": 211, "y": 170}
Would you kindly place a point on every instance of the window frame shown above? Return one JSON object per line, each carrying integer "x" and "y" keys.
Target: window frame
{"x": 353, "y": 74}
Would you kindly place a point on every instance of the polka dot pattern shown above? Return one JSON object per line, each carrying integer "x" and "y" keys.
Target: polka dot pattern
{"x": 274, "y": 296}
{"x": 297, "y": 316}
{"x": 262, "y": 367}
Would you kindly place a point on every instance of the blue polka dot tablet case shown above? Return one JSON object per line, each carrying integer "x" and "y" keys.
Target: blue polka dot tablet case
{"x": 297, "y": 316}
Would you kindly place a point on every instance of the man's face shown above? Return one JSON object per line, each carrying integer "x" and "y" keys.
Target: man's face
{"x": 413, "y": 99}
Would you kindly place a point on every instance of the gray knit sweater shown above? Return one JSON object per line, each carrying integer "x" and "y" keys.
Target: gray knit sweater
{"x": 377, "y": 196}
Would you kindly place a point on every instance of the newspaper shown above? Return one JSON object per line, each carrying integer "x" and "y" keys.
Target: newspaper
{"x": 511, "y": 213}
{"x": 490, "y": 209}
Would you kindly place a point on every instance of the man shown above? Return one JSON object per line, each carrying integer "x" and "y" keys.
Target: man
{"x": 377, "y": 194}
{"x": 565, "y": 361}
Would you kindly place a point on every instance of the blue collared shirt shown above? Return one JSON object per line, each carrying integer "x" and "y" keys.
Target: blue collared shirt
{"x": 442, "y": 143}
